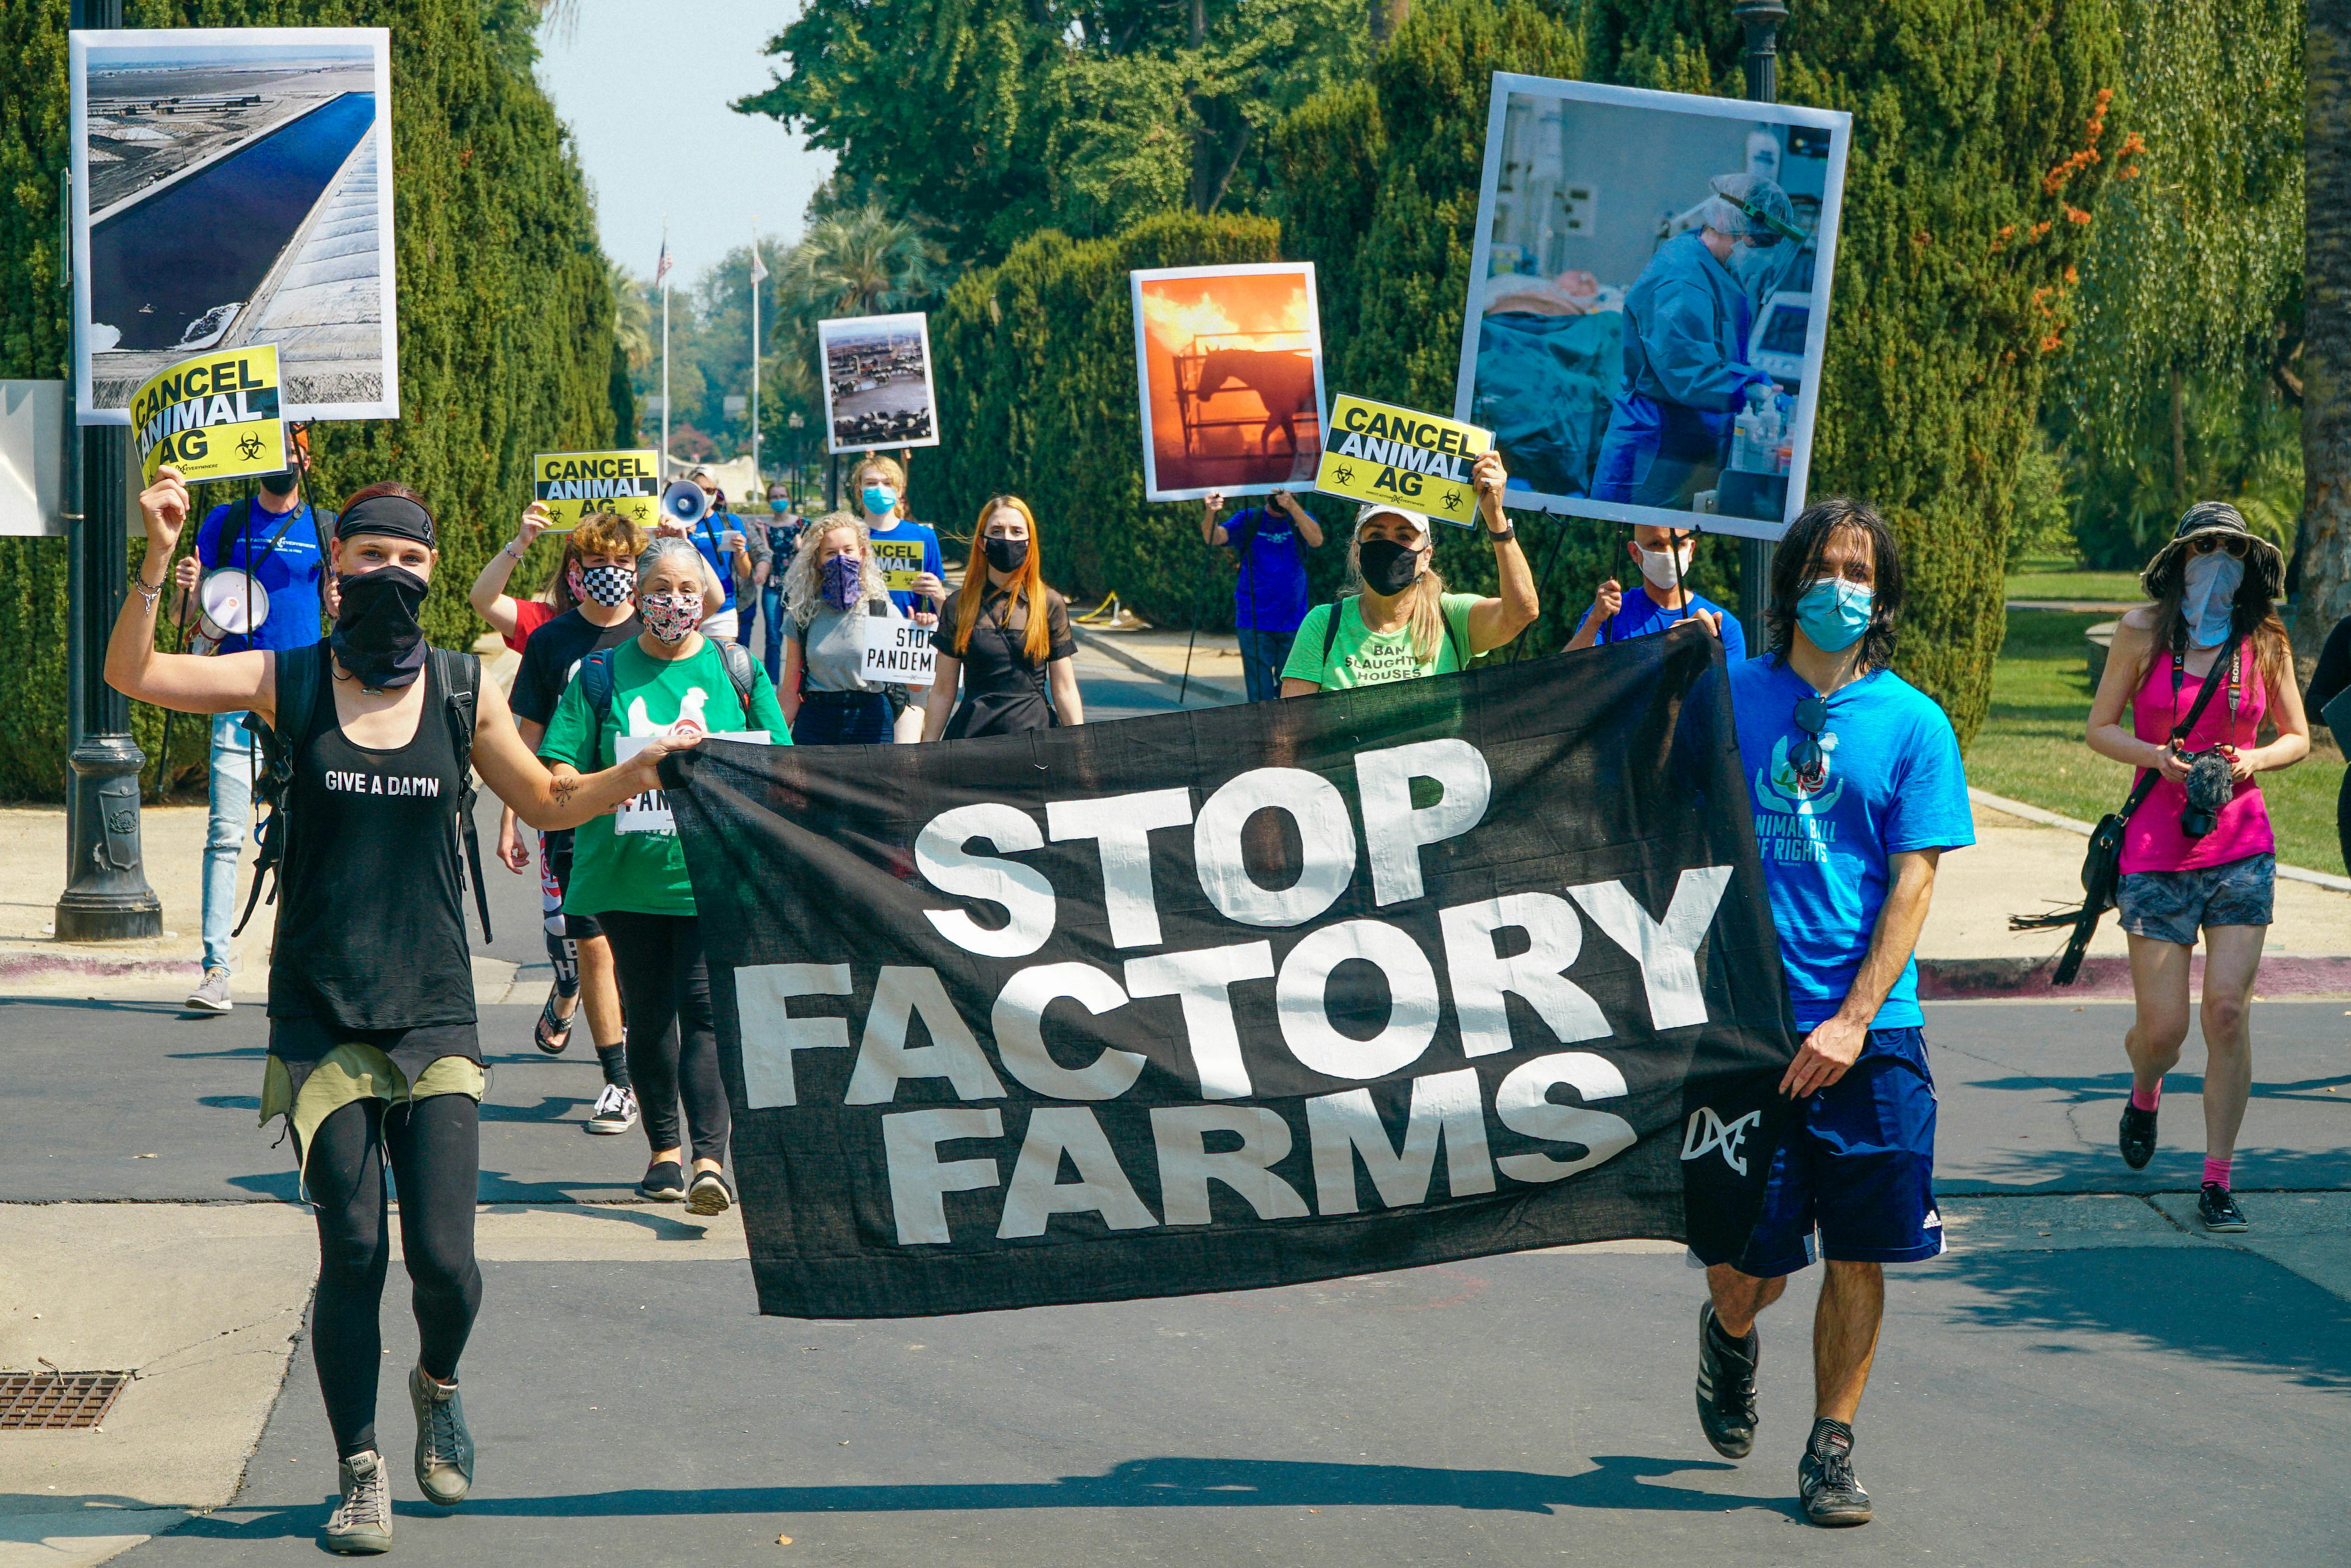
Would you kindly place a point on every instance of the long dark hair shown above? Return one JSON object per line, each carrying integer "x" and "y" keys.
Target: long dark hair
{"x": 1798, "y": 562}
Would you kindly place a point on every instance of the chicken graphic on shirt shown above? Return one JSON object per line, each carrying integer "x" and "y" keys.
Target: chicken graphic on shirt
{"x": 690, "y": 719}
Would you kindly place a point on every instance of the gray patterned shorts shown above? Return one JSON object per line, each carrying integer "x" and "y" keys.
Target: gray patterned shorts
{"x": 2168, "y": 905}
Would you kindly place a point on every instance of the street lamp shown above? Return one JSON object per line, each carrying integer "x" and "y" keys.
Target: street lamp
{"x": 1762, "y": 18}
{"x": 796, "y": 422}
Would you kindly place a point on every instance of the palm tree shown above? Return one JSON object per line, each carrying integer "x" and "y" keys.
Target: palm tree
{"x": 863, "y": 262}
{"x": 632, "y": 315}
{"x": 2326, "y": 344}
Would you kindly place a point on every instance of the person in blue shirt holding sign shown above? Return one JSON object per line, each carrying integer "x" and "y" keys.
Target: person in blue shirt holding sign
{"x": 908, "y": 554}
{"x": 1664, "y": 556}
{"x": 1856, "y": 789}
{"x": 274, "y": 536}
{"x": 1269, "y": 596}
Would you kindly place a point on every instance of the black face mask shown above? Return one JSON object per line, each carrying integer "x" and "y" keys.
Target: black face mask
{"x": 281, "y": 484}
{"x": 1005, "y": 555}
{"x": 1389, "y": 568}
{"x": 377, "y": 637}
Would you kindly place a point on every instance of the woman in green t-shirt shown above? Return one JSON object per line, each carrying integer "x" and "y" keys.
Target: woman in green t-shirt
{"x": 1401, "y": 624}
{"x": 669, "y": 679}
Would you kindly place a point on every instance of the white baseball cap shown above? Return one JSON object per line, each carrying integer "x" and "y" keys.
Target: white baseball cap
{"x": 1370, "y": 509}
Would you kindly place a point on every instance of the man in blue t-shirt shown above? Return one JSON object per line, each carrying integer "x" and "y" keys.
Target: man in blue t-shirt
{"x": 720, "y": 538}
{"x": 1854, "y": 780}
{"x": 1664, "y": 558}
{"x": 275, "y": 536}
{"x": 1269, "y": 596}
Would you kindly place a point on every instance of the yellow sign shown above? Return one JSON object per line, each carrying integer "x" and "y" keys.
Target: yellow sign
{"x": 571, "y": 485}
{"x": 211, "y": 417}
{"x": 1378, "y": 452}
{"x": 901, "y": 561}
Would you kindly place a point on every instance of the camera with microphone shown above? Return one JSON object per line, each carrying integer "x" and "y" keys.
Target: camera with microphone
{"x": 2209, "y": 787}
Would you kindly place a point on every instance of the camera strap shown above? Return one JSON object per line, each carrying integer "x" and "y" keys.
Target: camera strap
{"x": 2179, "y": 730}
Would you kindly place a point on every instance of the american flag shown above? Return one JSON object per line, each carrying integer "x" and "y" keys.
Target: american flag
{"x": 661, "y": 267}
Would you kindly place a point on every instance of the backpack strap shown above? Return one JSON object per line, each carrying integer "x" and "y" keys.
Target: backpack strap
{"x": 301, "y": 677}
{"x": 596, "y": 684}
{"x": 1460, "y": 653}
{"x": 460, "y": 676}
{"x": 737, "y": 660}
{"x": 1330, "y": 633}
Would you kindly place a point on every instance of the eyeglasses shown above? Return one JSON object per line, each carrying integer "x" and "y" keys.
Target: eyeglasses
{"x": 2235, "y": 544}
{"x": 1806, "y": 756}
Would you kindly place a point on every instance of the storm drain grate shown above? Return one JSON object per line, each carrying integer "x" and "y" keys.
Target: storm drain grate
{"x": 56, "y": 1401}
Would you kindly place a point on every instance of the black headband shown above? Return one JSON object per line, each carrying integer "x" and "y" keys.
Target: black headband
{"x": 395, "y": 515}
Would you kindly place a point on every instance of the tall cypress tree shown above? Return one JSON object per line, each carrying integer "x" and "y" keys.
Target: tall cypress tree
{"x": 506, "y": 316}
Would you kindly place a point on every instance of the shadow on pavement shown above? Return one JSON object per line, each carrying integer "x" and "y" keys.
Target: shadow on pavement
{"x": 2216, "y": 1305}
{"x": 1614, "y": 1481}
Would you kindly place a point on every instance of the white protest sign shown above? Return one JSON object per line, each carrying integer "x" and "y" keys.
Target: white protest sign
{"x": 649, "y": 812}
{"x": 897, "y": 652}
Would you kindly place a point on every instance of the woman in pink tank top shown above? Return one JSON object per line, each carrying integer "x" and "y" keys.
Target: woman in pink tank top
{"x": 2197, "y": 853}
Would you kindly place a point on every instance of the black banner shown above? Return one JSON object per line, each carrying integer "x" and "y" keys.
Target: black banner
{"x": 1255, "y": 995}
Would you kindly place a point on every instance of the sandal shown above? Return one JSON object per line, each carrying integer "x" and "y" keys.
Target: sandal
{"x": 553, "y": 1031}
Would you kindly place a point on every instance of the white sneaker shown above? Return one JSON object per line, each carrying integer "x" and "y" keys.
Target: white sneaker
{"x": 362, "y": 1523}
{"x": 212, "y": 996}
{"x": 615, "y": 1112}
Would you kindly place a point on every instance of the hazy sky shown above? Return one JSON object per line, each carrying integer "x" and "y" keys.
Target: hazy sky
{"x": 644, "y": 86}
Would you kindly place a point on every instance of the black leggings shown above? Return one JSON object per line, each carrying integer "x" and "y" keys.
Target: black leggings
{"x": 672, "y": 1034}
{"x": 435, "y": 1146}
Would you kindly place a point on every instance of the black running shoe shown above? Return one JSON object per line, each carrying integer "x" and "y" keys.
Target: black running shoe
{"x": 664, "y": 1183}
{"x": 2219, "y": 1211}
{"x": 1825, "y": 1478}
{"x": 1726, "y": 1386}
{"x": 709, "y": 1194}
{"x": 2138, "y": 1136}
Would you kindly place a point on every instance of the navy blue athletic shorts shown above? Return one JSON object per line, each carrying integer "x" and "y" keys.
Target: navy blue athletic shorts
{"x": 1858, "y": 1167}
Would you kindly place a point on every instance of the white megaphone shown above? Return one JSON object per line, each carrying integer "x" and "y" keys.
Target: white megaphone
{"x": 230, "y": 604}
{"x": 685, "y": 503}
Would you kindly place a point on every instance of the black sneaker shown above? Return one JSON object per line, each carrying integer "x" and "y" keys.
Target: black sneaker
{"x": 709, "y": 1194}
{"x": 2219, "y": 1211}
{"x": 664, "y": 1183}
{"x": 1726, "y": 1386}
{"x": 1825, "y": 1478}
{"x": 2137, "y": 1137}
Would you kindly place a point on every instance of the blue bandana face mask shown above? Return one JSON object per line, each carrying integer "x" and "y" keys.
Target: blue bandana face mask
{"x": 842, "y": 577}
{"x": 2208, "y": 601}
{"x": 1833, "y": 613}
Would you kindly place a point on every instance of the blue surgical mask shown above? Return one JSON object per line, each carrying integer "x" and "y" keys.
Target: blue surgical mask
{"x": 1833, "y": 613}
{"x": 879, "y": 499}
{"x": 2210, "y": 600}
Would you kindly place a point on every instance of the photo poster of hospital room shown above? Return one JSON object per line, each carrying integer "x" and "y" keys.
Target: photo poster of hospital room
{"x": 877, "y": 382}
{"x": 232, "y": 187}
{"x": 1229, "y": 365}
{"x": 1648, "y": 310}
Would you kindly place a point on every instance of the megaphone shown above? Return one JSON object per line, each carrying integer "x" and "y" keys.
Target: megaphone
{"x": 685, "y": 503}
{"x": 230, "y": 604}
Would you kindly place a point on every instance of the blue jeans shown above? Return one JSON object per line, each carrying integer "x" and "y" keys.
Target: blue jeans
{"x": 771, "y": 617}
{"x": 1262, "y": 656}
{"x": 234, "y": 762}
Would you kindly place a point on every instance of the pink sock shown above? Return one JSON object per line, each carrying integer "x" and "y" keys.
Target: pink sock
{"x": 2146, "y": 1099}
{"x": 2217, "y": 1170}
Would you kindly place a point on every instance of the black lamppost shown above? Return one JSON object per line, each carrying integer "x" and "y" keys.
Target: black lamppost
{"x": 1762, "y": 18}
{"x": 106, "y": 898}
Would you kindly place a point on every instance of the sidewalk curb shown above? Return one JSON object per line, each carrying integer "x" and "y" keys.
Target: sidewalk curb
{"x": 1105, "y": 645}
{"x": 2106, "y": 977}
{"x": 21, "y": 965}
{"x": 2075, "y": 825}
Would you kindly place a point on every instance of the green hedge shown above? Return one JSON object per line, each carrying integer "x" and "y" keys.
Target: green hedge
{"x": 505, "y": 316}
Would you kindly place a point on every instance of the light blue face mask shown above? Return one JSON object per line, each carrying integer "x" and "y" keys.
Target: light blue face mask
{"x": 879, "y": 499}
{"x": 1833, "y": 613}
{"x": 2210, "y": 599}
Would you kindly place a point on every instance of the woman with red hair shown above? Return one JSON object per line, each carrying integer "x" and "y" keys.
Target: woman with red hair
{"x": 1005, "y": 637}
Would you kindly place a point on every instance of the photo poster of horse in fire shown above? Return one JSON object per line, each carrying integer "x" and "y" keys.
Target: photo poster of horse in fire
{"x": 1229, "y": 361}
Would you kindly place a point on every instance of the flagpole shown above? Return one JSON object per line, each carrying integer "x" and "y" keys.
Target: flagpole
{"x": 664, "y": 279}
{"x": 756, "y": 270}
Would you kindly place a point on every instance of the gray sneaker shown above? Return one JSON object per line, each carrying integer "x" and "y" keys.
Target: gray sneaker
{"x": 212, "y": 996}
{"x": 444, "y": 1448}
{"x": 361, "y": 1522}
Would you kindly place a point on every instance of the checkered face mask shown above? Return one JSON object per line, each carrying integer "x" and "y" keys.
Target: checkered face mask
{"x": 670, "y": 616}
{"x": 607, "y": 585}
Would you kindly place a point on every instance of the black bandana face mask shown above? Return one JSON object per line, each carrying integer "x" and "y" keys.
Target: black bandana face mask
{"x": 377, "y": 637}
{"x": 1389, "y": 568}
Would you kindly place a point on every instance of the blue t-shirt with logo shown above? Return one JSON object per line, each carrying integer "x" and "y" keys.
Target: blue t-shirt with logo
{"x": 1640, "y": 615}
{"x": 1269, "y": 594}
{"x": 902, "y": 550}
{"x": 706, "y": 534}
{"x": 290, "y": 572}
{"x": 1893, "y": 784}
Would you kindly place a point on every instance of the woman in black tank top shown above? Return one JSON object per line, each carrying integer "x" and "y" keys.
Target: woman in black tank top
{"x": 372, "y": 1048}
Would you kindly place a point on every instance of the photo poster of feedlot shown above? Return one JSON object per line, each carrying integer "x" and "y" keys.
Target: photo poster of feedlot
{"x": 1228, "y": 362}
{"x": 1648, "y": 310}
{"x": 877, "y": 382}
{"x": 233, "y": 188}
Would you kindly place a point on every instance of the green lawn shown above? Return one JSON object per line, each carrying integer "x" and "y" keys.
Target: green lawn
{"x": 2030, "y": 746}
{"x": 2054, "y": 579}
